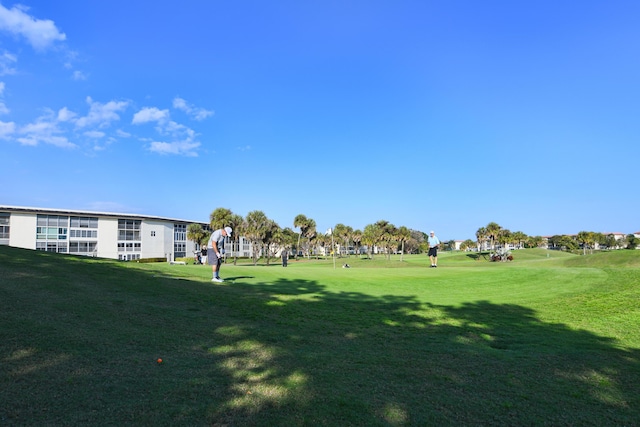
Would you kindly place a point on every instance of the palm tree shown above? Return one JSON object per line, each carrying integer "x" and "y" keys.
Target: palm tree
{"x": 356, "y": 236}
{"x": 273, "y": 235}
{"x": 588, "y": 239}
{"x": 387, "y": 238}
{"x": 196, "y": 233}
{"x": 236, "y": 222}
{"x": 340, "y": 233}
{"x": 310, "y": 233}
{"x": 219, "y": 218}
{"x": 519, "y": 237}
{"x": 482, "y": 236}
{"x": 402, "y": 234}
{"x": 534, "y": 241}
{"x": 504, "y": 237}
{"x": 301, "y": 222}
{"x": 467, "y": 244}
{"x": 255, "y": 227}
{"x": 492, "y": 231}
{"x": 373, "y": 235}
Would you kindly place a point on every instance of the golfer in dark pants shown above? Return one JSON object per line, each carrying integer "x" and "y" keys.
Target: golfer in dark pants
{"x": 434, "y": 243}
{"x": 215, "y": 248}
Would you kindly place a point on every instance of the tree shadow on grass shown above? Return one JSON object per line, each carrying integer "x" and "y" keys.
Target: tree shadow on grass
{"x": 292, "y": 352}
{"x": 395, "y": 361}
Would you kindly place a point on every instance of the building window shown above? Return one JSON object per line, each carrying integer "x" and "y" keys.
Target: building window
{"x": 83, "y": 248}
{"x": 179, "y": 240}
{"x": 4, "y": 225}
{"x": 84, "y": 222}
{"x": 180, "y": 232}
{"x": 84, "y": 234}
{"x": 129, "y": 229}
{"x": 129, "y": 247}
{"x": 179, "y": 250}
{"x": 52, "y": 233}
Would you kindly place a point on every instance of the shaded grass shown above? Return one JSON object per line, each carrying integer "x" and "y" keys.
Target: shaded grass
{"x": 536, "y": 342}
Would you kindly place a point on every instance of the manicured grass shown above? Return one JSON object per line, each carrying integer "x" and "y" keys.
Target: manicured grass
{"x": 548, "y": 339}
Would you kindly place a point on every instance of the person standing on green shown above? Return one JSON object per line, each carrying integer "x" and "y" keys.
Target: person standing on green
{"x": 215, "y": 249}
{"x": 434, "y": 244}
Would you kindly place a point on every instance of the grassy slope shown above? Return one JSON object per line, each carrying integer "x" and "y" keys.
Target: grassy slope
{"x": 538, "y": 341}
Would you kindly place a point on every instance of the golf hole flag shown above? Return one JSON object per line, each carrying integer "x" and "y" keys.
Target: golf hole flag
{"x": 328, "y": 233}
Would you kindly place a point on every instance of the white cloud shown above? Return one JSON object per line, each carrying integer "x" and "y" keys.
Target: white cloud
{"x": 44, "y": 130}
{"x": 196, "y": 113}
{"x": 6, "y": 129}
{"x": 7, "y": 60}
{"x": 66, "y": 115}
{"x": 40, "y": 33}
{"x": 3, "y": 107}
{"x": 78, "y": 75}
{"x": 101, "y": 114}
{"x": 122, "y": 134}
{"x": 94, "y": 134}
{"x": 177, "y": 130}
{"x": 185, "y": 148}
{"x": 150, "y": 114}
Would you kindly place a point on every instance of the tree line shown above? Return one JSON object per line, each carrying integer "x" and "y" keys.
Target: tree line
{"x": 493, "y": 234}
{"x": 267, "y": 238}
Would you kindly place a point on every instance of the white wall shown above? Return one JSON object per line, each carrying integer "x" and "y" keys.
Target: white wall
{"x": 23, "y": 230}
{"x": 160, "y": 245}
{"x": 108, "y": 238}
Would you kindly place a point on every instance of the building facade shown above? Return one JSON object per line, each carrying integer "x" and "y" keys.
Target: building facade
{"x": 99, "y": 234}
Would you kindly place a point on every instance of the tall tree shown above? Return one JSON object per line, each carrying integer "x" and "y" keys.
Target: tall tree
{"x": 504, "y": 237}
{"x": 534, "y": 241}
{"x": 467, "y": 244}
{"x": 356, "y": 236}
{"x": 341, "y": 234}
{"x": 271, "y": 239}
{"x": 493, "y": 229}
{"x": 255, "y": 227}
{"x": 307, "y": 228}
{"x": 402, "y": 235}
{"x": 196, "y": 233}
{"x": 310, "y": 233}
{"x": 298, "y": 222}
{"x": 519, "y": 238}
{"x": 236, "y": 222}
{"x": 482, "y": 235}
{"x": 219, "y": 218}
{"x": 587, "y": 239}
{"x": 373, "y": 235}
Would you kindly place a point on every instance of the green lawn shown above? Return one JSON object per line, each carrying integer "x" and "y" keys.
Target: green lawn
{"x": 548, "y": 339}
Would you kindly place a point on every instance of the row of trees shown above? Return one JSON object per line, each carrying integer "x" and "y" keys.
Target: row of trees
{"x": 493, "y": 234}
{"x": 267, "y": 238}
{"x": 590, "y": 240}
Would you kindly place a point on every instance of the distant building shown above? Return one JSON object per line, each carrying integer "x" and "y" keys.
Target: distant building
{"x": 100, "y": 234}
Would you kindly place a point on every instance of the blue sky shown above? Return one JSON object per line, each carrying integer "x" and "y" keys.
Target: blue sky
{"x": 443, "y": 115}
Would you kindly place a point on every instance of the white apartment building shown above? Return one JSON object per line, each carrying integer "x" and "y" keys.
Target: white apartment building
{"x": 100, "y": 234}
